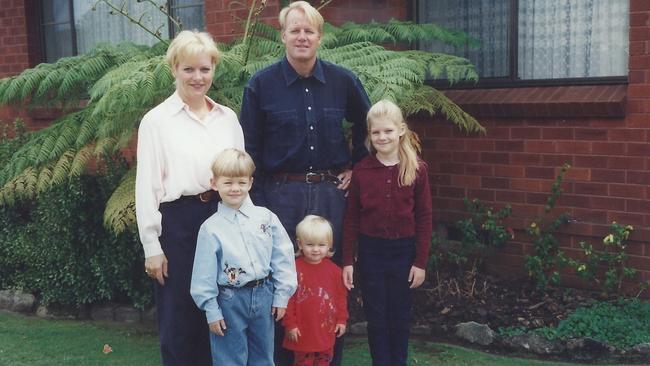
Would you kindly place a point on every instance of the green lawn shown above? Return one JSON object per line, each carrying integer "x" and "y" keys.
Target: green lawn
{"x": 31, "y": 341}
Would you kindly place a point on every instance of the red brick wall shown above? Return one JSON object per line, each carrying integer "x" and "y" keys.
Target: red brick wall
{"x": 224, "y": 18}
{"x": 13, "y": 38}
{"x": 516, "y": 161}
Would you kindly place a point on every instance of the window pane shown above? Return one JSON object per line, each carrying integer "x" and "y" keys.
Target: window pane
{"x": 190, "y": 14}
{"x": 56, "y": 11}
{"x": 568, "y": 39}
{"x": 484, "y": 20}
{"x": 99, "y": 26}
{"x": 58, "y": 41}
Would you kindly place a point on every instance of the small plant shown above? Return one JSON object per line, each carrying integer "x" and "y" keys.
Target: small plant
{"x": 612, "y": 260}
{"x": 543, "y": 266}
{"x": 481, "y": 234}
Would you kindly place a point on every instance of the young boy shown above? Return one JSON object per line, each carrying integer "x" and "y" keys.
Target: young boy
{"x": 244, "y": 268}
{"x": 317, "y": 312}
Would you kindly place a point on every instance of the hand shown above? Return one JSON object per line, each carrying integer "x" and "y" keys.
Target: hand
{"x": 156, "y": 268}
{"x": 348, "y": 277}
{"x": 340, "y": 330}
{"x": 278, "y": 313}
{"x": 416, "y": 277}
{"x": 345, "y": 178}
{"x": 293, "y": 335}
{"x": 218, "y": 327}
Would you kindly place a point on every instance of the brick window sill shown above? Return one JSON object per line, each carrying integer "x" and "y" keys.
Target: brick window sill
{"x": 543, "y": 102}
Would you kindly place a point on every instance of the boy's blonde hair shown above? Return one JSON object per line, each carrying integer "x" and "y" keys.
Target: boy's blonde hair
{"x": 313, "y": 16}
{"x": 233, "y": 163}
{"x": 192, "y": 43}
{"x": 315, "y": 229}
{"x": 409, "y": 143}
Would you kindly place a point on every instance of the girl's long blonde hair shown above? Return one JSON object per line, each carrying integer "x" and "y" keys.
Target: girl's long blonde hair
{"x": 409, "y": 143}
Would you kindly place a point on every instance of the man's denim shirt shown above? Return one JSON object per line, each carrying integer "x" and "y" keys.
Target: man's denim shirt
{"x": 238, "y": 246}
{"x": 293, "y": 124}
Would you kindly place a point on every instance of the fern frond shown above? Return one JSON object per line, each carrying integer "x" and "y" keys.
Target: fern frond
{"x": 428, "y": 99}
{"x": 268, "y": 31}
{"x": 80, "y": 160}
{"x": 119, "y": 214}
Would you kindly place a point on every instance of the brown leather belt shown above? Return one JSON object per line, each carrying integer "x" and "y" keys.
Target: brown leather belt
{"x": 205, "y": 197}
{"x": 310, "y": 177}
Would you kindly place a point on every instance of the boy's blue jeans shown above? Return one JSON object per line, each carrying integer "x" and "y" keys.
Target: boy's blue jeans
{"x": 384, "y": 267}
{"x": 248, "y": 338}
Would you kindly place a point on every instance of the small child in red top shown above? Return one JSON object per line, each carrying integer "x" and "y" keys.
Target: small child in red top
{"x": 389, "y": 215}
{"x": 318, "y": 311}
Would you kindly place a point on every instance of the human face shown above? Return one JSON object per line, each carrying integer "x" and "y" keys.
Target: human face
{"x": 193, "y": 76}
{"x": 232, "y": 190}
{"x": 301, "y": 38}
{"x": 313, "y": 251}
{"x": 384, "y": 136}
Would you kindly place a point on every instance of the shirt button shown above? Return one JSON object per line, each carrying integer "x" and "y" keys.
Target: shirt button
{"x": 388, "y": 181}
{"x": 388, "y": 195}
{"x": 311, "y": 167}
{"x": 311, "y": 148}
{"x": 306, "y": 90}
{"x": 309, "y": 108}
{"x": 311, "y": 127}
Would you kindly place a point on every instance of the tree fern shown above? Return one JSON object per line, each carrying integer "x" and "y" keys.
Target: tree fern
{"x": 111, "y": 88}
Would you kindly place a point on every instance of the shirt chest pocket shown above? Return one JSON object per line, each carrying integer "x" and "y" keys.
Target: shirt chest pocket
{"x": 283, "y": 127}
{"x": 333, "y": 124}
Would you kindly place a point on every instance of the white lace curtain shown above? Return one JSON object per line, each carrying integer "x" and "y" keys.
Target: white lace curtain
{"x": 556, "y": 38}
{"x": 99, "y": 26}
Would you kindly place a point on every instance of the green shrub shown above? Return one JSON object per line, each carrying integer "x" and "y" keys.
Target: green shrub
{"x": 57, "y": 247}
{"x": 622, "y": 323}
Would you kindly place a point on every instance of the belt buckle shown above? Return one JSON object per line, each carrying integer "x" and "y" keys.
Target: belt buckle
{"x": 308, "y": 177}
{"x": 206, "y": 199}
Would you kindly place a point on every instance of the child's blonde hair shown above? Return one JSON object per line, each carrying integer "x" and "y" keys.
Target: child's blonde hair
{"x": 313, "y": 16}
{"x": 409, "y": 143}
{"x": 233, "y": 163}
{"x": 315, "y": 229}
{"x": 192, "y": 43}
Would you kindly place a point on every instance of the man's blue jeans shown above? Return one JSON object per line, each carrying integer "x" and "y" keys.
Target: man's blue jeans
{"x": 248, "y": 338}
{"x": 291, "y": 202}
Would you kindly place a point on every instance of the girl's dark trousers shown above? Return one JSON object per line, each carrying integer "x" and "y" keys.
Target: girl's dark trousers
{"x": 182, "y": 327}
{"x": 384, "y": 266}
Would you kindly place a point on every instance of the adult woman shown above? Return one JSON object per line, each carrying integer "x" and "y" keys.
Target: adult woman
{"x": 177, "y": 141}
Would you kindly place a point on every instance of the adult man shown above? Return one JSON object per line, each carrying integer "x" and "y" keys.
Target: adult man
{"x": 292, "y": 116}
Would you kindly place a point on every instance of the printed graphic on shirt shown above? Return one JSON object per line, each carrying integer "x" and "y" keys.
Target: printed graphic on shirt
{"x": 266, "y": 229}
{"x": 232, "y": 274}
{"x": 326, "y": 309}
{"x": 303, "y": 292}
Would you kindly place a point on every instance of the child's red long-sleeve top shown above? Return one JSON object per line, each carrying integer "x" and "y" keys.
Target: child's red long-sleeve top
{"x": 317, "y": 306}
{"x": 377, "y": 206}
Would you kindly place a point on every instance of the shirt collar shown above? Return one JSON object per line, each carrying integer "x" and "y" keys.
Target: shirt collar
{"x": 290, "y": 75}
{"x": 229, "y": 214}
{"x": 176, "y": 104}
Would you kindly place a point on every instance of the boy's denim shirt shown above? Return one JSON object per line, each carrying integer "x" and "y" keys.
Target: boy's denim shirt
{"x": 238, "y": 246}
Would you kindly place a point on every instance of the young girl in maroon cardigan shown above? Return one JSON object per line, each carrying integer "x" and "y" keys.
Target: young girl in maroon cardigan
{"x": 317, "y": 312}
{"x": 389, "y": 216}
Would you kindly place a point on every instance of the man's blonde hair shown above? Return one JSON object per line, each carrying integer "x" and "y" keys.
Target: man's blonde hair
{"x": 315, "y": 229}
{"x": 192, "y": 43}
{"x": 313, "y": 16}
{"x": 233, "y": 163}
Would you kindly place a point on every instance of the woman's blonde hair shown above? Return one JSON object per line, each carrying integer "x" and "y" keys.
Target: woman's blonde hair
{"x": 192, "y": 43}
{"x": 315, "y": 229}
{"x": 409, "y": 143}
{"x": 313, "y": 16}
{"x": 233, "y": 163}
